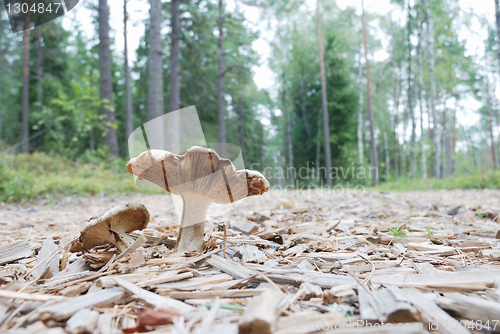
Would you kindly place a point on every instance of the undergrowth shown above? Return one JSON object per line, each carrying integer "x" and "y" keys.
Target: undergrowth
{"x": 38, "y": 175}
{"x": 473, "y": 180}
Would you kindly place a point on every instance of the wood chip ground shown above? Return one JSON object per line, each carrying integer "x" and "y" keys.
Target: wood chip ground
{"x": 293, "y": 262}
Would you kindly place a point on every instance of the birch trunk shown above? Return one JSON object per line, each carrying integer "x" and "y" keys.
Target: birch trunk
{"x": 420, "y": 84}
{"x": 221, "y": 109}
{"x": 373, "y": 150}
{"x": 106, "y": 85}
{"x": 360, "y": 104}
{"x": 387, "y": 158}
{"x": 304, "y": 110}
{"x": 395, "y": 112}
{"x": 324, "y": 101}
{"x": 497, "y": 17}
{"x": 433, "y": 91}
{"x": 241, "y": 119}
{"x": 129, "y": 126}
{"x": 410, "y": 99}
{"x": 490, "y": 121}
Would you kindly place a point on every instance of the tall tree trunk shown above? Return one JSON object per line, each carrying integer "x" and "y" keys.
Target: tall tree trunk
{"x": 39, "y": 67}
{"x": 288, "y": 121}
{"x": 490, "y": 121}
{"x": 373, "y": 149}
{"x": 497, "y": 16}
{"x": 261, "y": 145}
{"x": 412, "y": 155}
{"x": 433, "y": 91}
{"x": 107, "y": 109}
{"x": 360, "y": 104}
{"x": 1, "y": 61}
{"x": 241, "y": 118}
{"x": 454, "y": 141}
{"x": 318, "y": 143}
{"x": 129, "y": 123}
{"x": 324, "y": 101}
{"x": 387, "y": 158}
{"x": 26, "y": 85}
{"x": 175, "y": 68}
{"x": 420, "y": 85}
{"x": 303, "y": 98}
{"x": 395, "y": 111}
{"x": 221, "y": 108}
{"x": 155, "y": 77}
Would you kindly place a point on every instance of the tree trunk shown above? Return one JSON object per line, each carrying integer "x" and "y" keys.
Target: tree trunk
{"x": 433, "y": 91}
{"x": 155, "y": 71}
{"x": 221, "y": 108}
{"x": 396, "y": 106}
{"x": 454, "y": 141}
{"x": 360, "y": 104}
{"x": 156, "y": 137}
{"x": 241, "y": 119}
{"x": 107, "y": 109}
{"x": 412, "y": 154}
{"x": 318, "y": 143}
{"x": 497, "y": 16}
{"x": 288, "y": 130}
{"x": 373, "y": 149}
{"x": 129, "y": 123}
{"x": 26, "y": 85}
{"x": 1, "y": 60}
{"x": 175, "y": 70}
{"x": 420, "y": 85}
{"x": 387, "y": 158}
{"x": 39, "y": 67}
{"x": 261, "y": 145}
{"x": 490, "y": 121}
{"x": 304, "y": 110}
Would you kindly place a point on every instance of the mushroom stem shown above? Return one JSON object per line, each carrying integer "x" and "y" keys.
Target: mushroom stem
{"x": 192, "y": 227}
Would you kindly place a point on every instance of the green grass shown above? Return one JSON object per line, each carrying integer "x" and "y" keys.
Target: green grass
{"x": 477, "y": 180}
{"x": 398, "y": 231}
{"x": 24, "y": 177}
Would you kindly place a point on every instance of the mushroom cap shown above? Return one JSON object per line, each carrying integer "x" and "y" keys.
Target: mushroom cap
{"x": 103, "y": 230}
{"x": 200, "y": 170}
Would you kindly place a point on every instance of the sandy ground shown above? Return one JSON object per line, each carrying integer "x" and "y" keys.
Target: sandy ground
{"x": 65, "y": 217}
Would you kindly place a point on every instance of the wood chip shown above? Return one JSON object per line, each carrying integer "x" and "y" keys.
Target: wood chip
{"x": 15, "y": 251}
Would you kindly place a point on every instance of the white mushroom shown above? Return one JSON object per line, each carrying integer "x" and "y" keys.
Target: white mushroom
{"x": 200, "y": 177}
{"x": 112, "y": 228}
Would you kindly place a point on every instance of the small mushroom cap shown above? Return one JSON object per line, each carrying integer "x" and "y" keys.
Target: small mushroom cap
{"x": 103, "y": 230}
{"x": 200, "y": 170}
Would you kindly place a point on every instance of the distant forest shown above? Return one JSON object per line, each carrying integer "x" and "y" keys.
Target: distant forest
{"x": 338, "y": 102}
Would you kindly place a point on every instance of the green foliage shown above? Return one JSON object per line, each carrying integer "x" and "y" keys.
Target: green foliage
{"x": 472, "y": 180}
{"x": 24, "y": 177}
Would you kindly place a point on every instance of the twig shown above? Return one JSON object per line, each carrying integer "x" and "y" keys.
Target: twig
{"x": 225, "y": 239}
{"x": 268, "y": 280}
{"x": 366, "y": 280}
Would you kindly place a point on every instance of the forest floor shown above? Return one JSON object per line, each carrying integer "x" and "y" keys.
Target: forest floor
{"x": 295, "y": 262}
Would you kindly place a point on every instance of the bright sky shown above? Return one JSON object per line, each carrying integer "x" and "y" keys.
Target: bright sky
{"x": 263, "y": 76}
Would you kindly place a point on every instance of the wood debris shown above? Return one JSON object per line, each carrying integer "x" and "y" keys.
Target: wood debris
{"x": 284, "y": 264}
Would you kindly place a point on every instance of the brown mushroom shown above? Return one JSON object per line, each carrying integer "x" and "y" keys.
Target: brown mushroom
{"x": 200, "y": 177}
{"x": 112, "y": 228}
